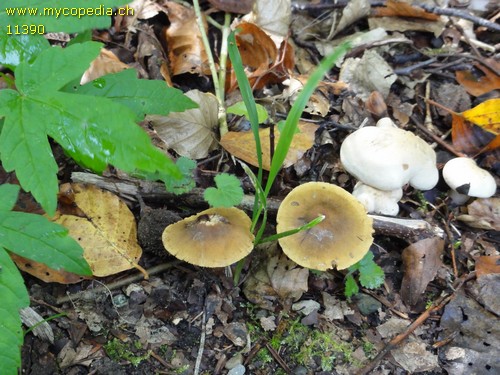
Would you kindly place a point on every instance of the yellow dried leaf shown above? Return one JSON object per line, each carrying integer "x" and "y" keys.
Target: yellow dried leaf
{"x": 43, "y": 272}
{"x": 242, "y": 145}
{"x": 107, "y": 233}
{"x": 485, "y": 115}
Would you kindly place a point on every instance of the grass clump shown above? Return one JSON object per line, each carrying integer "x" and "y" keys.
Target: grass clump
{"x": 118, "y": 350}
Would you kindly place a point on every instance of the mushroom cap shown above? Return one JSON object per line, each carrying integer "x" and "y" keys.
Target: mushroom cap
{"x": 465, "y": 177}
{"x": 340, "y": 240}
{"x": 378, "y": 201}
{"x": 386, "y": 157}
{"x": 216, "y": 237}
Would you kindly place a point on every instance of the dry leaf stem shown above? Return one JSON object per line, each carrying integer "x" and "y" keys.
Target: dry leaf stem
{"x": 218, "y": 78}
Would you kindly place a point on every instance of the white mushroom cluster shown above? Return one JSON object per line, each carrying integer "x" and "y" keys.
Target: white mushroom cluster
{"x": 385, "y": 158}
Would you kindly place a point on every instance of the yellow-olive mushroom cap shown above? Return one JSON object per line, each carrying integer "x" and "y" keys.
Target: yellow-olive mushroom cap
{"x": 216, "y": 237}
{"x": 340, "y": 240}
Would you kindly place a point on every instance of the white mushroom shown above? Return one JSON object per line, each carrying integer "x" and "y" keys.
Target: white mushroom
{"x": 386, "y": 158}
{"x": 378, "y": 201}
{"x": 466, "y": 180}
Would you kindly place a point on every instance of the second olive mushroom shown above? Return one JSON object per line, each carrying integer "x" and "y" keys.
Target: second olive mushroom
{"x": 340, "y": 240}
{"x": 216, "y": 237}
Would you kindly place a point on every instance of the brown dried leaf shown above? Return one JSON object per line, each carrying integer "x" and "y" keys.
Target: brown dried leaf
{"x": 107, "y": 233}
{"x": 276, "y": 277}
{"x": 395, "y": 8}
{"x": 44, "y": 273}
{"x": 421, "y": 262}
{"x": 483, "y": 214}
{"x": 242, "y": 145}
{"x": 190, "y": 133}
{"x": 272, "y": 16}
{"x": 264, "y": 62}
{"x": 105, "y": 63}
{"x": 376, "y": 105}
{"x": 482, "y": 85}
{"x": 185, "y": 46}
{"x": 233, "y": 6}
{"x": 319, "y": 102}
{"x": 486, "y": 265}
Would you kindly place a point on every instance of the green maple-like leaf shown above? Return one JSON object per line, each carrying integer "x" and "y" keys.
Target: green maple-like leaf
{"x": 33, "y": 237}
{"x": 14, "y": 297}
{"x": 50, "y": 14}
{"x": 370, "y": 274}
{"x": 240, "y": 109}
{"x": 351, "y": 286}
{"x": 15, "y": 49}
{"x": 95, "y": 131}
{"x": 141, "y": 96}
{"x": 228, "y": 192}
{"x": 186, "y": 183}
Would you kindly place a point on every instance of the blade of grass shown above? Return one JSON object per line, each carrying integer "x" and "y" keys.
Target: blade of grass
{"x": 307, "y": 226}
{"x": 298, "y": 107}
{"x": 259, "y": 192}
{"x": 248, "y": 99}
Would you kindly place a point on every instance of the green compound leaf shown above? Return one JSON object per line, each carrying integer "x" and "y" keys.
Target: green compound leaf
{"x": 33, "y": 237}
{"x": 9, "y": 196}
{"x": 55, "y": 67}
{"x": 58, "y": 16}
{"x": 141, "y": 96}
{"x": 14, "y": 297}
{"x": 228, "y": 192}
{"x": 24, "y": 148}
{"x": 370, "y": 274}
{"x": 15, "y": 49}
{"x": 351, "y": 286}
{"x": 186, "y": 183}
{"x": 95, "y": 131}
{"x": 240, "y": 109}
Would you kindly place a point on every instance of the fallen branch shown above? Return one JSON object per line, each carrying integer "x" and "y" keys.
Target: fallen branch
{"x": 453, "y": 12}
{"x": 90, "y": 294}
{"x": 409, "y": 230}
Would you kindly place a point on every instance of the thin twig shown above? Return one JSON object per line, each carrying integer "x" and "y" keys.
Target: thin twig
{"x": 396, "y": 341}
{"x": 435, "y": 138}
{"x": 117, "y": 284}
{"x": 278, "y": 359}
{"x": 408, "y": 69}
{"x": 453, "y": 12}
{"x": 202, "y": 344}
{"x": 310, "y": 6}
{"x": 160, "y": 359}
{"x": 451, "y": 242}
